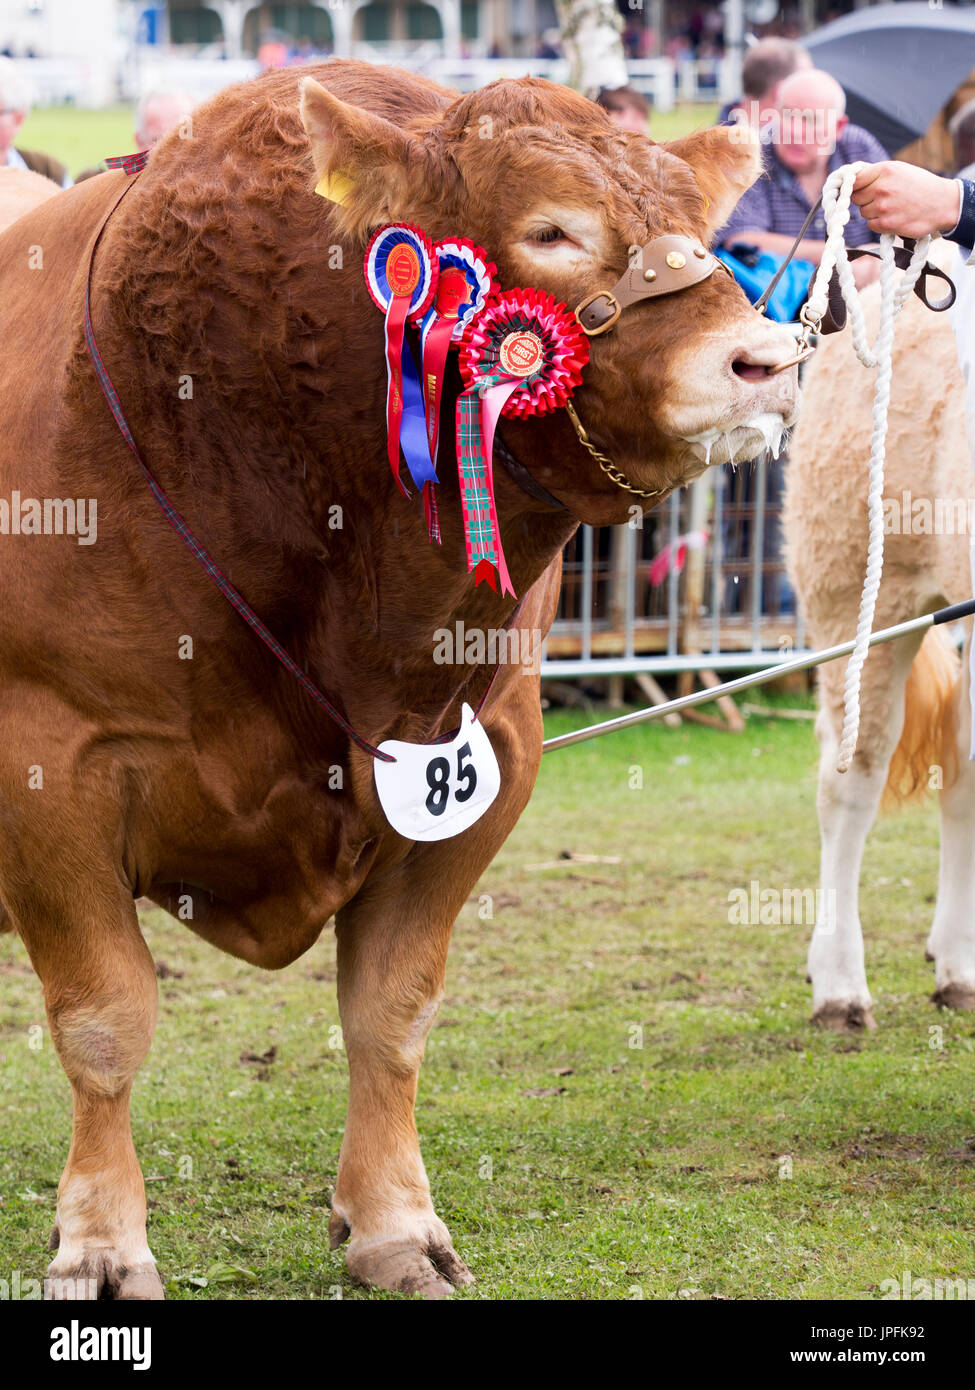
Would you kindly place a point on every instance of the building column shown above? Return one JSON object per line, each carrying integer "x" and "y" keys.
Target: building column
{"x": 232, "y": 14}
{"x": 449, "y": 11}
{"x": 340, "y": 14}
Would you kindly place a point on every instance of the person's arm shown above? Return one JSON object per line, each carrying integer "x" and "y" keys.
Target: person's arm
{"x": 907, "y": 201}
{"x": 964, "y": 229}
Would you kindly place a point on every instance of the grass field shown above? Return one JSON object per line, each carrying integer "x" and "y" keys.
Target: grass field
{"x": 80, "y": 139}
{"x": 572, "y": 1154}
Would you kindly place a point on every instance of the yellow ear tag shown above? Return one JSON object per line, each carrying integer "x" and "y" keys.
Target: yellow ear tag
{"x": 335, "y": 186}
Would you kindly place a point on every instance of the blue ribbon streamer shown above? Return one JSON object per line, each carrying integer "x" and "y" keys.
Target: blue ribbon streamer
{"x": 413, "y": 437}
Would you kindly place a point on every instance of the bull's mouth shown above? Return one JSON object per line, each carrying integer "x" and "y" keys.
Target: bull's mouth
{"x": 761, "y": 433}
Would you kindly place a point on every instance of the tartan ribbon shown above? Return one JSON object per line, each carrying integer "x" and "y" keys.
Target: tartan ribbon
{"x": 522, "y": 355}
{"x": 478, "y": 409}
{"x": 131, "y": 163}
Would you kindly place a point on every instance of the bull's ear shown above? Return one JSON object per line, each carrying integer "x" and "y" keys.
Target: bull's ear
{"x": 726, "y": 160}
{"x": 348, "y": 138}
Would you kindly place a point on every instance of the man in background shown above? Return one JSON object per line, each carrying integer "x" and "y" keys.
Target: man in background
{"x": 806, "y": 138}
{"x": 15, "y": 99}
{"x": 155, "y": 116}
{"x": 767, "y": 63}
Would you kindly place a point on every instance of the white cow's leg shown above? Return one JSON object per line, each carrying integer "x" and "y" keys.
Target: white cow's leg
{"x": 848, "y": 804}
{"x": 952, "y": 941}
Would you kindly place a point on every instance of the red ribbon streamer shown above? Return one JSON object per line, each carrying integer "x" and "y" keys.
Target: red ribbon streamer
{"x": 394, "y": 327}
{"x": 435, "y": 351}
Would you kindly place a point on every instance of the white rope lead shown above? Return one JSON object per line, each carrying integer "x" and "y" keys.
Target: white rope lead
{"x": 893, "y": 296}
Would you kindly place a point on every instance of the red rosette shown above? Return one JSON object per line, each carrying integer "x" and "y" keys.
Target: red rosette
{"x": 462, "y": 260}
{"x": 526, "y": 333}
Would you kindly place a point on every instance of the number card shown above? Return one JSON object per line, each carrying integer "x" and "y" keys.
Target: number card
{"x": 435, "y": 790}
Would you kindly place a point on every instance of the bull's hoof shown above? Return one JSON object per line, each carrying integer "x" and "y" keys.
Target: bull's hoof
{"x": 845, "y": 1018}
{"x": 101, "y": 1276}
{"x": 954, "y": 996}
{"x": 431, "y": 1269}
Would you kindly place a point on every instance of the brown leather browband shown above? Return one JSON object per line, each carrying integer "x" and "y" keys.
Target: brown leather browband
{"x": 664, "y": 265}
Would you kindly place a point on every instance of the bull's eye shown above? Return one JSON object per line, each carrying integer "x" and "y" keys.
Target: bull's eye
{"x": 544, "y": 236}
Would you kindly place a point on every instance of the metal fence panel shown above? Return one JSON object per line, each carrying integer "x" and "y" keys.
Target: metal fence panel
{"x": 725, "y": 605}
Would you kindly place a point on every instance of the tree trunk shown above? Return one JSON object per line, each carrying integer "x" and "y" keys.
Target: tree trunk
{"x": 591, "y": 41}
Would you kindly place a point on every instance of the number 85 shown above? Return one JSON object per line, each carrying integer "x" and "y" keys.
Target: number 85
{"x": 438, "y": 780}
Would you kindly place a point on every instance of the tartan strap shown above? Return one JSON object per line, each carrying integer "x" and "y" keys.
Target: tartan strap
{"x": 131, "y": 163}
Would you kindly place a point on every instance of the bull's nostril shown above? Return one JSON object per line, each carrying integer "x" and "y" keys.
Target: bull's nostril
{"x": 749, "y": 371}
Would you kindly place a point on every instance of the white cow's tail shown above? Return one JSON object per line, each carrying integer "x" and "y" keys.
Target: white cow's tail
{"x": 926, "y": 758}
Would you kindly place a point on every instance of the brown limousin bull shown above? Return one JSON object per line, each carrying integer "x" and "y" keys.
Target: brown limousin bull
{"x": 126, "y": 770}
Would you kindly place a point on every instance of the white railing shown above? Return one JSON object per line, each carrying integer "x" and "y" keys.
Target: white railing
{"x": 63, "y": 81}
{"x": 83, "y": 82}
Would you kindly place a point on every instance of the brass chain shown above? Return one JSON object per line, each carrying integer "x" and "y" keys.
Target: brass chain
{"x": 606, "y": 464}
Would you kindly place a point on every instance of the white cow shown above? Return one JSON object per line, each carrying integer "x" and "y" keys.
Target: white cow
{"x": 21, "y": 190}
{"x": 914, "y": 733}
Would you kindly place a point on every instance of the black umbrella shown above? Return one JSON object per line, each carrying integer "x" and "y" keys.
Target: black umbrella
{"x": 898, "y": 64}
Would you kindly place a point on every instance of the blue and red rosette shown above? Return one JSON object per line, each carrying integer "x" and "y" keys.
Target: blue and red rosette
{"x": 401, "y": 276}
{"x": 465, "y": 283}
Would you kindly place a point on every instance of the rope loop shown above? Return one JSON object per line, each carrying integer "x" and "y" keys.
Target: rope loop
{"x": 879, "y": 357}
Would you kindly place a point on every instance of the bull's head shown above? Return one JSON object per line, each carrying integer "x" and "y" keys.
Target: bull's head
{"x": 562, "y": 200}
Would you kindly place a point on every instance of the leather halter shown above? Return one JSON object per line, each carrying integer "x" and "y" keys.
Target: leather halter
{"x": 664, "y": 266}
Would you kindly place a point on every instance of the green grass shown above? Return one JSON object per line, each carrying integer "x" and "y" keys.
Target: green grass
{"x": 668, "y": 125}
{"x": 568, "y": 1162}
{"x": 80, "y": 138}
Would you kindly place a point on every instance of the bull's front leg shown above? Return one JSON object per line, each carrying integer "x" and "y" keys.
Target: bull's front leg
{"x": 392, "y": 954}
{"x": 391, "y": 963}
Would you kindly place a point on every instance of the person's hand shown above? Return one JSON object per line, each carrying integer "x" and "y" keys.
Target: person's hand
{"x": 865, "y": 271}
{"x": 905, "y": 200}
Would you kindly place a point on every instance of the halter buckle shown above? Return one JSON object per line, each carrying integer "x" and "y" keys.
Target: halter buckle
{"x": 608, "y": 323}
